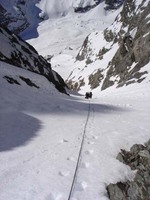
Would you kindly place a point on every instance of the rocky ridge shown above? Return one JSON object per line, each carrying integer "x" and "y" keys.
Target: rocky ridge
{"x": 138, "y": 158}
{"x": 18, "y": 15}
{"x": 80, "y": 8}
{"x": 17, "y": 52}
{"x": 120, "y": 52}
{"x": 23, "y": 16}
{"x": 133, "y": 52}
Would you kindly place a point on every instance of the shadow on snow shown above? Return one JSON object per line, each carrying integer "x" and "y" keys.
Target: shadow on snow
{"x": 31, "y": 31}
{"x": 17, "y": 128}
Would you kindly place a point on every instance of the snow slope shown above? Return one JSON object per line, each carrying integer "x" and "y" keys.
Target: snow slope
{"x": 57, "y": 34}
{"x": 23, "y": 16}
{"x": 107, "y": 58}
{"x": 41, "y": 133}
{"x": 62, "y": 36}
{"x": 20, "y": 15}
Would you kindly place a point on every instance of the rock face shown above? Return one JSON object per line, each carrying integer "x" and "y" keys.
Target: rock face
{"x": 113, "y": 4}
{"x": 81, "y": 8}
{"x": 18, "y": 15}
{"x": 133, "y": 52}
{"x": 17, "y": 52}
{"x": 110, "y": 5}
{"x": 121, "y": 51}
{"x": 138, "y": 158}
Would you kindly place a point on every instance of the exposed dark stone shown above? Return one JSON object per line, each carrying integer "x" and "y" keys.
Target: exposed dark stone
{"x": 131, "y": 50}
{"x": 11, "y": 80}
{"x": 88, "y": 61}
{"x": 82, "y": 53}
{"x": 49, "y": 57}
{"x": 18, "y": 21}
{"x": 109, "y": 35}
{"x": 29, "y": 82}
{"x": 102, "y": 52}
{"x": 75, "y": 85}
{"x": 113, "y": 4}
{"x": 95, "y": 79}
{"x": 25, "y": 56}
{"x": 138, "y": 158}
{"x": 82, "y": 9}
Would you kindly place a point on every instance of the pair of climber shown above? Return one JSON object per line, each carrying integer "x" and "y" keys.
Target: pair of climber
{"x": 88, "y": 95}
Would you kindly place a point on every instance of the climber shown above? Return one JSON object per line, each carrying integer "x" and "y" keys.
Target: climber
{"x": 88, "y": 95}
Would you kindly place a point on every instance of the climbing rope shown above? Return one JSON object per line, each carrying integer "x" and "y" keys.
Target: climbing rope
{"x": 79, "y": 156}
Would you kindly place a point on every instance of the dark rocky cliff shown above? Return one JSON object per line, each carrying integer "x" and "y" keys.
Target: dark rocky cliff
{"x": 121, "y": 51}
{"x": 19, "y": 15}
{"x": 17, "y": 52}
{"x": 134, "y": 46}
{"x": 138, "y": 158}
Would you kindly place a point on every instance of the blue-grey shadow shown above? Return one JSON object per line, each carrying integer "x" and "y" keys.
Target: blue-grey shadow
{"x": 68, "y": 105}
{"x": 31, "y": 31}
{"x": 17, "y": 128}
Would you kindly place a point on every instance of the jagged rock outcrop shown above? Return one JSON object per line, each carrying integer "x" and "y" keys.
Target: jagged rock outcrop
{"x": 77, "y": 85}
{"x": 138, "y": 158}
{"x": 133, "y": 52}
{"x": 20, "y": 16}
{"x": 23, "y": 16}
{"x": 120, "y": 52}
{"x": 17, "y": 52}
{"x": 13, "y": 16}
{"x": 110, "y": 5}
{"x": 82, "y": 55}
{"x": 95, "y": 79}
{"x": 81, "y": 8}
{"x": 113, "y": 4}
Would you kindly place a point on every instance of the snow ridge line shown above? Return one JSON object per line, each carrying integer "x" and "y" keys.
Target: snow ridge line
{"x": 80, "y": 153}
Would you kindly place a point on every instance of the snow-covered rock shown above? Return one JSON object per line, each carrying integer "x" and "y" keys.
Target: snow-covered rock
{"x": 138, "y": 158}
{"x": 118, "y": 55}
{"x": 127, "y": 65}
{"x": 24, "y": 16}
{"x": 17, "y": 52}
{"x": 20, "y": 15}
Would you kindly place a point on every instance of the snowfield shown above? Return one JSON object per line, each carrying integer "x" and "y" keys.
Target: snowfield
{"x": 42, "y": 131}
{"x": 62, "y": 35}
{"x": 59, "y": 147}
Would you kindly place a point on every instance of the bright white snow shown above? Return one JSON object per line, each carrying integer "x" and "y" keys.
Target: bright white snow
{"x": 41, "y": 129}
{"x": 60, "y": 33}
{"x": 64, "y": 31}
{"x": 41, "y": 132}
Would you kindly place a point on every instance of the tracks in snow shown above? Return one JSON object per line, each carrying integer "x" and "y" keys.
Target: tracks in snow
{"x": 79, "y": 165}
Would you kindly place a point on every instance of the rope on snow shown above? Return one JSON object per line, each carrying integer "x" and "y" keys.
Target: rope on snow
{"x": 79, "y": 156}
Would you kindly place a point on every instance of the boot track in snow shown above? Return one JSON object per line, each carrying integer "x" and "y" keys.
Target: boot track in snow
{"x": 80, "y": 153}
